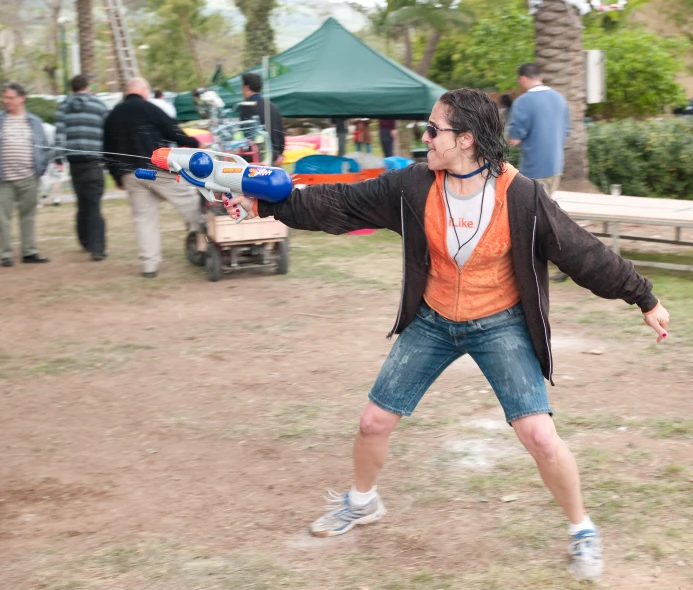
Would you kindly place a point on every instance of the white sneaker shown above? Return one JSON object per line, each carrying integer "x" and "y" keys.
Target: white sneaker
{"x": 342, "y": 516}
{"x": 586, "y": 555}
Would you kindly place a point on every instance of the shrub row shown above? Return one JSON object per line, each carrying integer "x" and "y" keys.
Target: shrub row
{"x": 651, "y": 158}
{"x": 42, "y": 107}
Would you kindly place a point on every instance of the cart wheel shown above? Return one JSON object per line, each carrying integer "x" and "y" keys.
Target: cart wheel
{"x": 193, "y": 255}
{"x": 281, "y": 257}
{"x": 213, "y": 263}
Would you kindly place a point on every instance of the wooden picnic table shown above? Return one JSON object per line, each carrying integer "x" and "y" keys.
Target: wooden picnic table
{"x": 612, "y": 211}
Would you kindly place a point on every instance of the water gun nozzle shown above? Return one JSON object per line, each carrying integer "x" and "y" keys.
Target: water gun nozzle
{"x": 160, "y": 157}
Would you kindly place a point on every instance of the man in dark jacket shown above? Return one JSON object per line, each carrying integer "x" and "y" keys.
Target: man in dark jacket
{"x": 138, "y": 127}
{"x": 79, "y": 129}
{"x": 251, "y": 88}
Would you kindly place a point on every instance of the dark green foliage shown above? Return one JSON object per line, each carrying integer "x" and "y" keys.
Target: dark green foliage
{"x": 487, "y": 56}
{"x": 513, "y": 155}
{"x": 259, "y": 35}
{"x": 42, "y": 107}
{"x": 651, "y": 158}
{"x": 172, "y": 30}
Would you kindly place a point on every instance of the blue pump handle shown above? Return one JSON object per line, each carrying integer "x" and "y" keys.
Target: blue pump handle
{"x": 145, "y": 174}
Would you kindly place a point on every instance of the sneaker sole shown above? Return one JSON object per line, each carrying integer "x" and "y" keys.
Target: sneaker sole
{"x": 365, "y": 520}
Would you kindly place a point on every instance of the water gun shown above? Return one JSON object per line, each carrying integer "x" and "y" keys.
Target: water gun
{"x": 231, "y": 175}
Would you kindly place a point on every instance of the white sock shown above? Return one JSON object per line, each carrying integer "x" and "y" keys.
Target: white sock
{"x": 586, "y": 524}
{"x": 360, "y": 499}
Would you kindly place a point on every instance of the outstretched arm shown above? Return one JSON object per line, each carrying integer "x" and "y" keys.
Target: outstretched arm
{"x": 335, "y": 208}
{"x": 591, "y": 264}
{"x": 169, "y": 129}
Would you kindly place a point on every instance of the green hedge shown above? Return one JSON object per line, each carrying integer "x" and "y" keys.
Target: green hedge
{"x": 652, "y": 158}
{"x": 42, "y": 107}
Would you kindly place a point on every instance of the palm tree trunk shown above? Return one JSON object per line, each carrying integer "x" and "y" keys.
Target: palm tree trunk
{"x": 51, "y": 68}
{"x": 429, "y": 52}
{"x": 190, "y": 41}
{"x": 408, "y": 51}
{"x": 85, "y": 23}
{"x": 259, "y": 35}
{"x": 559, "y": 55}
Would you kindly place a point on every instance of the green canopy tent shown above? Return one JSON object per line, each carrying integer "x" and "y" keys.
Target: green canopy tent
{"x": 332, "y": 73}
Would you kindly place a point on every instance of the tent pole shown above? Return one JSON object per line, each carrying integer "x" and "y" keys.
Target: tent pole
{"x": 266, "y": 97}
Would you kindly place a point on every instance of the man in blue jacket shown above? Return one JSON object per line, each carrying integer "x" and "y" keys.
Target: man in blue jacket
{"x": 24, "y": 156}
{"x": 540, "y": 125}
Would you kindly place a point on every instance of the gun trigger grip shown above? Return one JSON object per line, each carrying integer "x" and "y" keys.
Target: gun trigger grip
{"x": 208, "y": 194}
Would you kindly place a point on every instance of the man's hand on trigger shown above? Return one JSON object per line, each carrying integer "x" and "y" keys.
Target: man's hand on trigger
{"x": 658, "y": 320}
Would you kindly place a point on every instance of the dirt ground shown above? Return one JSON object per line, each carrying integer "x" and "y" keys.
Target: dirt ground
{"x": 177, "y": 433}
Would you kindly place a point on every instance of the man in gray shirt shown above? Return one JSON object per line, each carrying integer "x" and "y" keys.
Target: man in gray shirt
{"x": 24, "y": 158}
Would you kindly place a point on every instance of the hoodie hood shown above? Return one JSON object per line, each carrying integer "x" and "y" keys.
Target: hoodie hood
{"x": 76, "y": 103}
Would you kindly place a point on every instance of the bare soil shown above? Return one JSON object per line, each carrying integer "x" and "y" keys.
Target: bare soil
{"x": 177, "y": 433}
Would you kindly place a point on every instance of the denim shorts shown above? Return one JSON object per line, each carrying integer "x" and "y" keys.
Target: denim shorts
{"x": 500, "y": 345}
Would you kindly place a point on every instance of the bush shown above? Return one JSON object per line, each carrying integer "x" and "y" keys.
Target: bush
{"x": 641, "y": 70}
{"x": 42, "y": 107}
{"x": 487, "y": 56}
{"x": 652, "y": 158}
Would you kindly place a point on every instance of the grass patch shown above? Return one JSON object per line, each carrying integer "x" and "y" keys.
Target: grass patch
{"x": 673, "y": 428}
{"x": 656, "y": 428}
{"x": 595, "y": 422}
{"x": 415, "y": 422}
{"x": 295, "y": 421}
{"x": 69, "y": 356}
{"x": 342, "y": 259}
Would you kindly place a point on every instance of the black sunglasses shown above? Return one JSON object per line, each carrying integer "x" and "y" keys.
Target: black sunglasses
{"x": 432, "y": 130}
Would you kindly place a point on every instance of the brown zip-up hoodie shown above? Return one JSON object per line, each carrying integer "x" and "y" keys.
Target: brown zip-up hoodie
{"x": 540, "y": 233}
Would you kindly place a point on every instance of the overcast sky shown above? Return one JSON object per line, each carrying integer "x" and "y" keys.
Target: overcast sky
{"x": 302, "y": 17}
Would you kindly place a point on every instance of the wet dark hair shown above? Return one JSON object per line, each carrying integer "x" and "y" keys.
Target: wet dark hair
{"x": 474, "y": 111}
{"x": 158, "y": 93}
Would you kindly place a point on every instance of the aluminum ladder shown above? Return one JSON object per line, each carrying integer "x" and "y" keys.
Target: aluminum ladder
{"x": 123, "y": 52}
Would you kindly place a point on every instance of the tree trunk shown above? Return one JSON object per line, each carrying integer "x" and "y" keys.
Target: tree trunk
{"x": 259, "y": 35}
{"x": 52, "y": 78}
{"x": 408, "y": 52}
{"x": 429, "y": 52}
{"x": 85, "y": 23}
{"x": 559, "y": 55}
{"x": 190, "y": 41}
{"x": 51, "y": 67}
